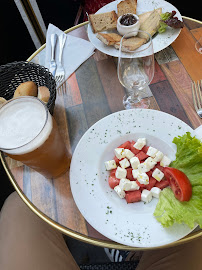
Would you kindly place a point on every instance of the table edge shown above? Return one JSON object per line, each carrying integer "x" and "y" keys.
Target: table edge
{"x": 85, "y": 23}
{"x": 64, "y": 230}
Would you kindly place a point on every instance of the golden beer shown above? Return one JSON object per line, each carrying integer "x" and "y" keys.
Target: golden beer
{"x": 28, "y": 133}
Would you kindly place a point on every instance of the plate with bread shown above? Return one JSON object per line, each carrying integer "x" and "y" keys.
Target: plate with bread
{"x": 103, "y": 33}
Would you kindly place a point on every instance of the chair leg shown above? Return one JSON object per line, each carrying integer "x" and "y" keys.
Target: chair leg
{"x": 78, "y": 15}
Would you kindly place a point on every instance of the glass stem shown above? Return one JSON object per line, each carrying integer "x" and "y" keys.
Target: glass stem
{"x": 133, "y": 94}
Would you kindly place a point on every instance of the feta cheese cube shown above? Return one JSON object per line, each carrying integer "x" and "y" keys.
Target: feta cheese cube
{"x": 135, "y": 173}
{"x": 134, "y": 186}
{"x": 124, "y": 163}
{"x": 150, "y": 163}
{"x": 156, "y": 192}
{"x": 141, "y": 142}
{"x": 157, "y": 174}
{"x": 142, "y": 168}
{"x": 120, "y": 192}
{"x": 143, "y": 178}
{"x": 111, "y": 164}
{"x": 129, "y": 154}
{"x": 125, "y": 184}
{"x": 158, "y": 157}
{"x": 152, "y": 151}
{"x": 165, "y": 162}
{"x": 134, "y": 161}
{"x": 146, "y": 196}
{"x": 120, "y": 153}
{"x": 120, "y": 173}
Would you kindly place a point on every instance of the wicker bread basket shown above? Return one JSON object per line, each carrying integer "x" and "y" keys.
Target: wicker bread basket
{"x": 15, "y": 73}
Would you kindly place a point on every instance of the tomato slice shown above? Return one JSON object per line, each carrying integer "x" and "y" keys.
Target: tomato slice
{"x": 179, "y": 183}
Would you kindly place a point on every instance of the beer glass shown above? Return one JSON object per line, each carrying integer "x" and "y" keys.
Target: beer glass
{"x": 28, "y": 133}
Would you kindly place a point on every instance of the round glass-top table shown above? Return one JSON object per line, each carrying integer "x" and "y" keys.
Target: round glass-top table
{"x": 88, "y": 96}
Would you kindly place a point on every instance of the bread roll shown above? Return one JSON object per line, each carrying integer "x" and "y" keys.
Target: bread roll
{"x": 43, "y": 93}
{"x": 26, "y": 89}
{"x": 2, "y": 100}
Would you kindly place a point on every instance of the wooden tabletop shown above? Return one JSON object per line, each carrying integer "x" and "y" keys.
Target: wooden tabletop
{"x": 86, "y": 97}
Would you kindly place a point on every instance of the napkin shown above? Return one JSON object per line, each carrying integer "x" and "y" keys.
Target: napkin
{"x": 76, "y": 51}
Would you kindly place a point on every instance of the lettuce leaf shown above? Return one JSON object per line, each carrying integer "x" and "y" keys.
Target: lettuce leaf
{"x": 189, "y": 160}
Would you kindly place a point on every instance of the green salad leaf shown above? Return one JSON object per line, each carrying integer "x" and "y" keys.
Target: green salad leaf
{"x": 189, "y": 160}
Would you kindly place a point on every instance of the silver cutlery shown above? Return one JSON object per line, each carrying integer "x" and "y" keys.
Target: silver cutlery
{"x": 53, "y": 65}
{"x": 60, "y": 72}
{"x": 197, "y": 97}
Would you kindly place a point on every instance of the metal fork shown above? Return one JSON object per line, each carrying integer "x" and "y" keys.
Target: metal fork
{"x": 197, "y": 97}
{"x": 60, "y": 72}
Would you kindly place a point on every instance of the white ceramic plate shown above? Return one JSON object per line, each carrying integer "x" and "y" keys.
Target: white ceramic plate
{"x": 130, "y": 224}
{"x": 160, "y": 41}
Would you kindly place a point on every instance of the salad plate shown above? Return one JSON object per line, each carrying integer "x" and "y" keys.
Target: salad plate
{"x": 160, "y": 41}
{"x": 130, "y": 224}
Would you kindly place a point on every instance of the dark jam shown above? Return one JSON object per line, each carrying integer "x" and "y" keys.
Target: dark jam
{"x": 128, "y": 19}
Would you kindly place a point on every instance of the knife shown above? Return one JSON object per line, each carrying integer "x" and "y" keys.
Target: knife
{"x": 53, "y": 65}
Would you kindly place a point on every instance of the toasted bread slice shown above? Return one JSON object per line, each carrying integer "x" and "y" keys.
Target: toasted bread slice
{"x": 103, "y": 21}
{"x": 144, "y": 16}
{"x": 109, "y": 39}
{"x": 130, "y": 44}
{"x": 150, "y": 25}
{"x": 126, "y": 6}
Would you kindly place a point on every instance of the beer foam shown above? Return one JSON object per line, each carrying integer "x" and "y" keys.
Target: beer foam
{"x": 22, "y": 125}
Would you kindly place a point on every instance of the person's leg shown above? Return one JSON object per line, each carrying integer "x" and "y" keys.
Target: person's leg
{"x": 28, "y": 243}
{"x": 183, "y": 257}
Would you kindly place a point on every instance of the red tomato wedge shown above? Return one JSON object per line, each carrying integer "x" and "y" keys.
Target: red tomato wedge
{"x": 179, "y": 183}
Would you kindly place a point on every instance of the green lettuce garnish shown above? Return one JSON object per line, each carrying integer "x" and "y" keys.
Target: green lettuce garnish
{"x": 189, "y": 160}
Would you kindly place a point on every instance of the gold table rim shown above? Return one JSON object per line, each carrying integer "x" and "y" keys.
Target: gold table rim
{"x": 69, "y": 232}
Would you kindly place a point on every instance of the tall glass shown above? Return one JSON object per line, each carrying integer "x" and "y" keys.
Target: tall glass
{"x": 136, "y": 70}
{"x": 28, "y": 133}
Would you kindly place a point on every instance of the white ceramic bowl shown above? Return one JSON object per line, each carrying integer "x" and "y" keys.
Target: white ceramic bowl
{"x": 124, "y": 29}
